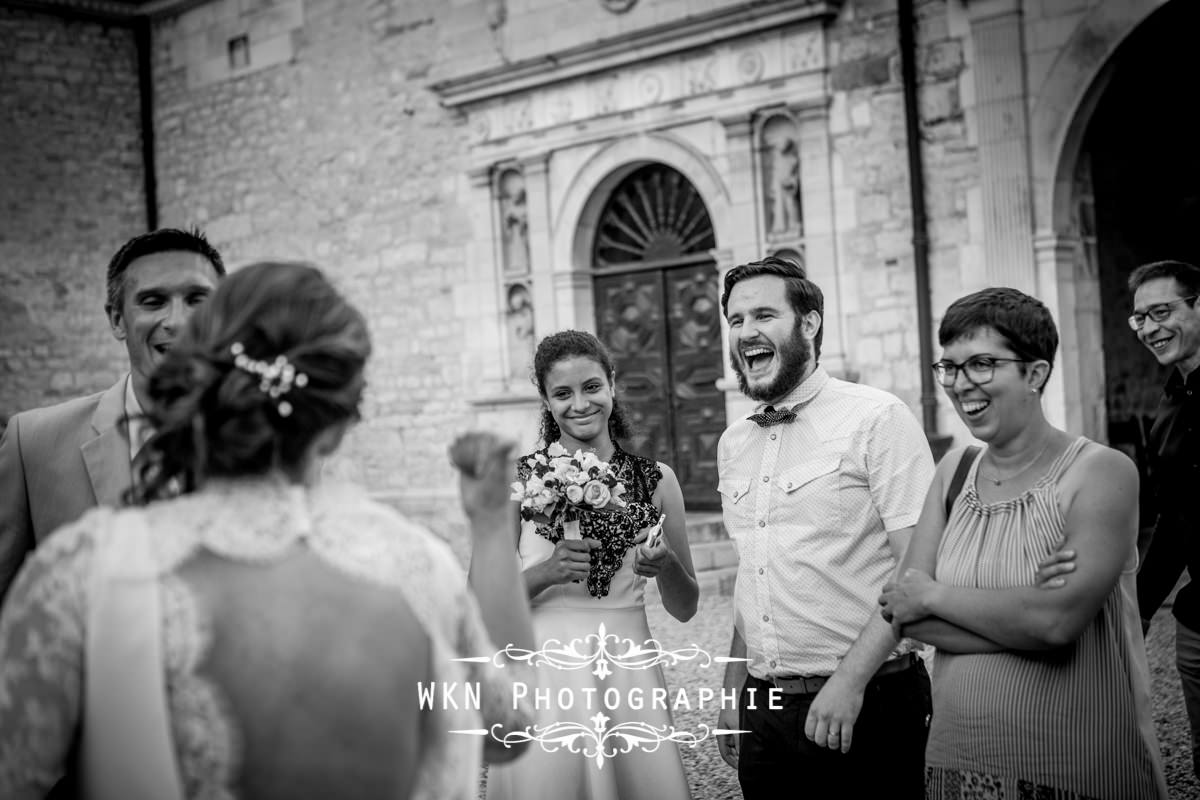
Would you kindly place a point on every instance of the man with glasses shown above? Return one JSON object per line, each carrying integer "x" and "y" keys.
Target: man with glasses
{"x": 1166, "y": 319}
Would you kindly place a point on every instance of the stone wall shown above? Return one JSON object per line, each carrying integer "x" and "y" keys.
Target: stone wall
{"x": 70, "y": 193}
{"x": 336, "y": 154}
{"x": 308, "y": 129}
{"x": 874, "y": 207}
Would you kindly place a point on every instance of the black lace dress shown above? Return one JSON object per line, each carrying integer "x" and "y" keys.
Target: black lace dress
{"x": 615, "y": 530}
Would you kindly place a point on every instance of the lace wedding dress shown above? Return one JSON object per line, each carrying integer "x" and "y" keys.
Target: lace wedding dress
{"x": 245, "y": 640}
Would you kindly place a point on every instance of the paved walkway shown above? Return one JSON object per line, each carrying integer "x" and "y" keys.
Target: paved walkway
{"x": 712, "y": 779}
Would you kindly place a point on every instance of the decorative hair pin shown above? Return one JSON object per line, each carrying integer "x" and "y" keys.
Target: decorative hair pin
{"x": 277, "y": 377}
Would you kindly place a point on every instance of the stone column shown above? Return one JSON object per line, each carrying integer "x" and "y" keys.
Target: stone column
{"x": 547, "y": 310}
{"x": 1074, "y": 398}
{"x": 480, "y": 299}
{"x": 745, "y": 243}
{"x": 820, "y": 234}
{"x": 1003, "y": 135}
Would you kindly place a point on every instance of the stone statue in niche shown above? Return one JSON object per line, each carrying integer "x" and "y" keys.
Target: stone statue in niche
{"x": 514, "y": 222}
{"x": 518, "y": 323}
{"x": 781, "y": 177}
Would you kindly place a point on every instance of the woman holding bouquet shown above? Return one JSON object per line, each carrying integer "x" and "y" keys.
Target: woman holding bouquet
{"x": 587, "y": 593}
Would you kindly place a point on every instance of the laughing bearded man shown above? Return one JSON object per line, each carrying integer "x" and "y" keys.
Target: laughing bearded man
{"x": 59, "y": 461}
{"x": 820, "y": 490}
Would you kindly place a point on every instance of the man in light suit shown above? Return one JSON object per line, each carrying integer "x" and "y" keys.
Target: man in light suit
{"x": 59, "y": 461}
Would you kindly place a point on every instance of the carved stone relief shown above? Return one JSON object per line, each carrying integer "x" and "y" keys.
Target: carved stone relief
{"x": 514, "y": 220}
{"x": 779, "y": 146}
{"x": 666, "y": 80}
{"x": 519, "y": 330}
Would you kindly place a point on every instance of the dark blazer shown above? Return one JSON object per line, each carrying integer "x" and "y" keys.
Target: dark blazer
{"x": 55, "y": 464}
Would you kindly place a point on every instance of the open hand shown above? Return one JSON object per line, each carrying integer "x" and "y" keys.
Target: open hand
{"x": 831, "y": 717}
{"x": 729, "y": 744}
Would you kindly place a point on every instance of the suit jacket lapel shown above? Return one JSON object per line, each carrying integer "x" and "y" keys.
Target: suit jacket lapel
{"x": 107, "y": 455}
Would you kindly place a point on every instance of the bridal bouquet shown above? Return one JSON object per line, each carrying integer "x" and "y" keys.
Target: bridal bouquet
{"x": 561, "y": 485}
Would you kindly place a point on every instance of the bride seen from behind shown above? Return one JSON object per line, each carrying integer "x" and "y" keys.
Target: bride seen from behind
{"x": 245, "y": 630}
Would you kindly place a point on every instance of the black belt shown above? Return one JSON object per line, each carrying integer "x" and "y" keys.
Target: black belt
{"x": 811, "y": 684}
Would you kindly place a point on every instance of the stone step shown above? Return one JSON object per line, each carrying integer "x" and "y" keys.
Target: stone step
{"x": 705, "y": 526}
{"x": 713, "y": 555}
{"x": 712, "y": 582}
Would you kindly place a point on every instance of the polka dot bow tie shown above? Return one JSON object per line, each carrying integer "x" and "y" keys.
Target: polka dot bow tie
{"x": 773, "y": 416}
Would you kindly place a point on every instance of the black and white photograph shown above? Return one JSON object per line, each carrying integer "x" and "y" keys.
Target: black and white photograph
{"x": 599, "y": 399}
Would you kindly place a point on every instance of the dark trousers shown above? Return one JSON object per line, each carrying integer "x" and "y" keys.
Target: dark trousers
{"x": 886, "y": 758}
{"x": 1187, "y": 660}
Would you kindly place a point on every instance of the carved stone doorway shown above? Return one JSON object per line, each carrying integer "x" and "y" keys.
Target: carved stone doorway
{"x": 658, "y": 310}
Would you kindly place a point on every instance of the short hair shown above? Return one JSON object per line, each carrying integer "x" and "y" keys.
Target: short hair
{"x": 1185, "y": 274}
{"x": 1023, "y": 321}
{"x": 803, "y": 295}
{"x": 211, "y": 414}
{"x": 574, "y": 344}
{"x": 163, "y": 240}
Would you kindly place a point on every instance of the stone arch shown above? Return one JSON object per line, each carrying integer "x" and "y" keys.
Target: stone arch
{"x": 1066, "y": 100}
{"x": 575, "y": 226}
{"x": 1059, "y": 120}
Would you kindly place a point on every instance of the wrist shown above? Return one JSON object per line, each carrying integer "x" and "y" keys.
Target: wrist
{"x": 933, "y": 600}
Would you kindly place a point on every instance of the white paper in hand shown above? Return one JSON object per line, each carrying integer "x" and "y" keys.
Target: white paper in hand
{"x": 655, "y": 535}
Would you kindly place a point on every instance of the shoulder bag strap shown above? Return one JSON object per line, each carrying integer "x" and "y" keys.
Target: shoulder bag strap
{"x": 960, "y": 476}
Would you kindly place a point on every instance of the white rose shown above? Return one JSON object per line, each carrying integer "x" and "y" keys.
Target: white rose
{"x": 596, "y": 494}
{"x": 618, "y": 493}
{"x": 555, "y": 450}
{"x": 574, "y": 493}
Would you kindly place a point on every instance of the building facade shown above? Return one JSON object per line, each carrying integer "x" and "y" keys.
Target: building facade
{"x": 479, "y": 173}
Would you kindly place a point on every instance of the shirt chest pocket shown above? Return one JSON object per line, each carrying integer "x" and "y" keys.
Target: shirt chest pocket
{"x": 735, "y": 506}
{"x": 733, "y": 490}
{"x": 819, "y": 474}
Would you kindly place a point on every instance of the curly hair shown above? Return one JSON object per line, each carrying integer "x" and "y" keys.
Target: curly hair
{"x": 571, "y": 344}
{"x": 163, "y": 240}
{"x": 213, "y": 418}
{"x": 1023, "y": 321}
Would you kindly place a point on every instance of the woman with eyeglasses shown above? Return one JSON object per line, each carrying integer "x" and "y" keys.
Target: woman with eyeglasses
{"x": 1040, "y": 683}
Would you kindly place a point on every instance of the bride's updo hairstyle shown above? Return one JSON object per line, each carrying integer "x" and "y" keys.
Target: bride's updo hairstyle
{"x": 570, "y": 344}
{"x": 274, "y": 358}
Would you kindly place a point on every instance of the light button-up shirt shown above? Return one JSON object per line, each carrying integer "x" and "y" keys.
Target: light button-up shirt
{"x": 809, "y": 505}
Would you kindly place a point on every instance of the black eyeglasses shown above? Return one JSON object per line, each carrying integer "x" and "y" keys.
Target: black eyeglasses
{"x": 979, "y": 369}
{"x": 1157, "y": 312}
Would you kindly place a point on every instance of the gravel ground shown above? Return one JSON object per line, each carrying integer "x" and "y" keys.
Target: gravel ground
{"x": 712, "y": 779}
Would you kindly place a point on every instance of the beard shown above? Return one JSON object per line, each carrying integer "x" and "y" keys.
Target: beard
{"x": 794, "y": 356}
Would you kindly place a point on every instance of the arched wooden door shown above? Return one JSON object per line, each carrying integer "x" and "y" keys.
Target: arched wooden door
{"x": 658, "y": 310}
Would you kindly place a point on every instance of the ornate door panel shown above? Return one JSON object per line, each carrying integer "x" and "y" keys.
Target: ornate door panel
{"x": 629, "y": 312}
{"x": 694, "y": 354}
{"x": 657, "y": 309}
{"x": 667, "y": 368}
